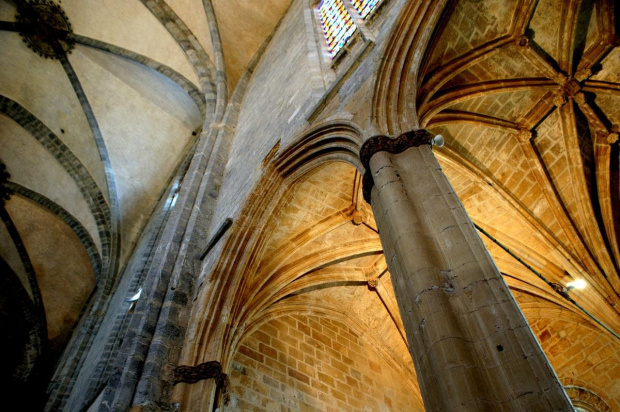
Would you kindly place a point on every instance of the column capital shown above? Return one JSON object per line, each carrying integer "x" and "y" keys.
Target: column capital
{"x": 394, "y": 145}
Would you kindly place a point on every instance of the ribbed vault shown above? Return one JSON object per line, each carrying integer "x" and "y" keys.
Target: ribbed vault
{"x": 92, "y": 132}
{"x": 527, "y": 109}
{"x": 526, "y": 93}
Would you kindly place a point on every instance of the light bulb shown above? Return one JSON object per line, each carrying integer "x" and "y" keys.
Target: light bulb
{"x": 576, "y": 284}
{"x": 438, "y": 141}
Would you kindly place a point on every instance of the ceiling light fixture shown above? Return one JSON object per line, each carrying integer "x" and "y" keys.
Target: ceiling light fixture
{"x": 576, "y": 284}
{"x": 438, "y": 141}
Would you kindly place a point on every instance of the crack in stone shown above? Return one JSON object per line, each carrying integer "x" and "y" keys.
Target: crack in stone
{"x": 388, "y": 183}
{"x": 449, "y": 227}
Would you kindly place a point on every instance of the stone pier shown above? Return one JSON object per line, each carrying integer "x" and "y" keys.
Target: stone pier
{"x": 471, "y": 345}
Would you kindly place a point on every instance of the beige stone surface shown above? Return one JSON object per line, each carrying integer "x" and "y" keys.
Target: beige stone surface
{"x": 581, "y": 354}
{"x": 305, "y": 362}
{"x": 162, "y": 117}
{"x": 61, "y": 264}
{"x": 32, "y": 166}
{"x": 243, "y": 27}
{"x": 126, "y": 24}
{"x": 7, "y": 11}
{"x": 42, "y": 87}
{"x": 193, "y": 14}
{"x": 530, "y": 155}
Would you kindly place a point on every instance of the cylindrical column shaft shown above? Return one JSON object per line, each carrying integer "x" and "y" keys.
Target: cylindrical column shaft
{"x": 471, "y": 345}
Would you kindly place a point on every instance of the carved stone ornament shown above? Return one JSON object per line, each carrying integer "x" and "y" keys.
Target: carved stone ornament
{"x": 524, "y": 135}
{"x": 207, "y": 370}
{"x": 523, "y": 41}
{"x": 373, "y": 283}
{"x": 571, "y": 88}
{"x": 44, "y": 28}
{"x": 394, "y": 145}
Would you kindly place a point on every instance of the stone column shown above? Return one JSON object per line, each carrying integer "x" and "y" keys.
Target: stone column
{"x": 471, "y": 345}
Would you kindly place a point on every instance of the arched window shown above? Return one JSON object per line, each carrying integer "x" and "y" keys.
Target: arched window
{"x": 338, "y": 26}
{"x": 337, "y": 21}
{"x": 365, "y": 7}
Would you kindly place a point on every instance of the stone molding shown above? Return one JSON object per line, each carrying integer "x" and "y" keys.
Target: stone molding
{"x": 197, "y": 96}
{"x": 394, "y": 145}
{"x": 586, "y": 399}
{"x": 71, "y": 221}
{"x": 93, "y": 195}
{"x": 5, "y": 192}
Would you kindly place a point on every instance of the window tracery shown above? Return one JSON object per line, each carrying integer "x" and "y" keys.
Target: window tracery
{"x": 338, "y": 26}
{"x": 365, "y": 7}
{"x": 337, "y": 20}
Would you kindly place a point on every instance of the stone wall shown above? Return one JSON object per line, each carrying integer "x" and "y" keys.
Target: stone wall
{"x": 290, "y": 91}
{"x": 98, "y": 359}
{"x": 310, "y": 363}
{"x": 277, "y": 98}
{"x": 581, "y": 355}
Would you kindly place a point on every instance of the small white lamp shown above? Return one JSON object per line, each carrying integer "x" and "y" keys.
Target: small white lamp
{"x": 576, "y": 284}
{"x": 438, "y": 141}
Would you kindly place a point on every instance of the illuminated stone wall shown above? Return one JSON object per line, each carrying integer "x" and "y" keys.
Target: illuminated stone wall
{"x": 309, "y": 363}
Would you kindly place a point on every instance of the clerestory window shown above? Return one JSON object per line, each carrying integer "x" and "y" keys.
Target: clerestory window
{"x": 365, "y": 7}
{"x": 337, "y": 21}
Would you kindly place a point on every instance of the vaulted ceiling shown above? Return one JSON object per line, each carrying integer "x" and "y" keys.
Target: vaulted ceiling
{"x": 529, "y": 112}
{"x": 91, "y": 140}
{"x": 526, "y": 93}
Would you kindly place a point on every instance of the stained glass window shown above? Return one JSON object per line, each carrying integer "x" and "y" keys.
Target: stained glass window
{"x": 337, "y": 25}
{"x": 365, "y": 7}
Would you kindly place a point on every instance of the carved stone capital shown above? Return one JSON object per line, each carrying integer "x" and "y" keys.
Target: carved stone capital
{"x": 394, "y": 145}
{"x": 357, "y": 217}
{"x": 207, "y": 370}
{"x": 608, "y": 136}
{"x": 571, "y": 87}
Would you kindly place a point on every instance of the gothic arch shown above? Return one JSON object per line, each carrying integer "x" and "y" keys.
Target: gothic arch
{"x": 267, "y": 259}
{"x": 394, "y": 107}
{"x": 317, "y": 312}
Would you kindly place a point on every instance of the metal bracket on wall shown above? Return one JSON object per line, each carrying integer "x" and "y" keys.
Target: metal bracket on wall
{"x": 216, "y": 238}
{"x": 207, "y": 370}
